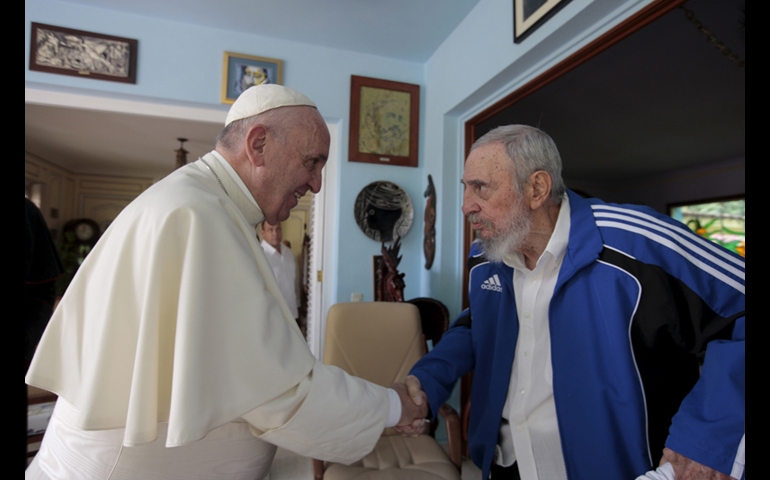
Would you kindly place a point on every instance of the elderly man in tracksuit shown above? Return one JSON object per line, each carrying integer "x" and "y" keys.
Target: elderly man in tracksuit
{"x": 588, "y": 327}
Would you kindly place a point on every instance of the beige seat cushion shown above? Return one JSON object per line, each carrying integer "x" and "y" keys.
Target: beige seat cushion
{"x": 399, "y": 458}
{"x": 381, "y": 341}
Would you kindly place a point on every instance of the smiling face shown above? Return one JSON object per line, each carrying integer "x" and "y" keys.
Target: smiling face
{"x": 293, "y": 162}
{"x": 496, "y": 211}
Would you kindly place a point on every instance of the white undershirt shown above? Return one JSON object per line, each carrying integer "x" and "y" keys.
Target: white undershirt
{"x": 529, "y": 433}
{"x": 284, "y": 267}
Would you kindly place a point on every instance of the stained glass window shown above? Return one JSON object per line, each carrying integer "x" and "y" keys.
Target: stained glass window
{"x": 723, "y": 222}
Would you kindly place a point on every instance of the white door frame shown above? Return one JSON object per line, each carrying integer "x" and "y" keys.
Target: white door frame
{"x": 323, "y": 224}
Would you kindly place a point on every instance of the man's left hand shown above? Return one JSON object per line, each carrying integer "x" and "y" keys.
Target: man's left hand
{"x": 686, "y": 469}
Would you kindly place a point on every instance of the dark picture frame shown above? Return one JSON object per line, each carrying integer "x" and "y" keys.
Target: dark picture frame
{"x": 529, "y": 15}
{"x": 240, "y": 71}
{"x": 384, "y": 121}
{"x": 78, "y": 53}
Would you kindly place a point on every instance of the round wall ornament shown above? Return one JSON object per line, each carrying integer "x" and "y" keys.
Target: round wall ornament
{"x": 383, "y": 211}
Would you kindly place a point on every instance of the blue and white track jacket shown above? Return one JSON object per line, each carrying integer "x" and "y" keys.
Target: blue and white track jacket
{"x": 638, "y": 303}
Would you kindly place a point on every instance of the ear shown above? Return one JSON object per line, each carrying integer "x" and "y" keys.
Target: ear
{"x": 539, "y": 189}
{"x": 256, "y": 140}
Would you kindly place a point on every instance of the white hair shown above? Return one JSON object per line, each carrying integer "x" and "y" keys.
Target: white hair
{"x": 530, "y": 150}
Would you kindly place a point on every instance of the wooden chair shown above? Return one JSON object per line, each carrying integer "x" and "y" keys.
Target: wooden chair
{"x": 434, "y": 318}
{"x": 380, "y": 342}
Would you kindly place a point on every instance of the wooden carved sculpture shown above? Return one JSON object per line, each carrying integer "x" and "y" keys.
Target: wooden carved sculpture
{"x": 391, "y": 287}
{"x": 429, "y": 234}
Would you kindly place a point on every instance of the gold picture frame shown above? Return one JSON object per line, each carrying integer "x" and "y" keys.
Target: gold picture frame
{"x": 384, "y": 121}
{"x": 240, "y": 71}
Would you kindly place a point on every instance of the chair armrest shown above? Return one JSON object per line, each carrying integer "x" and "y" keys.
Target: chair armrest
{"x": 453, "y": 433}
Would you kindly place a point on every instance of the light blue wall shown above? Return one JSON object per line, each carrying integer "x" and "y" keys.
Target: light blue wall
{"x": 477, "y": 65}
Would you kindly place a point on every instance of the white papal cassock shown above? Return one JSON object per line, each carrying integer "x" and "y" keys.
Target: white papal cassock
{"x": 174, "y": 354}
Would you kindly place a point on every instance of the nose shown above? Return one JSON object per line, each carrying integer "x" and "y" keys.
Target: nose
{"x": 315, "y": 181}
{"x": 469, "y": 205}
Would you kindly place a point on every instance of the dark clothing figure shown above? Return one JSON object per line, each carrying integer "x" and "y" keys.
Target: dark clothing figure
{"x": 41, "y": 268}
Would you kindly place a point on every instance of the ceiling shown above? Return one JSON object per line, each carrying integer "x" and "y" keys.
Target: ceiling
{"x": 406, "y": 29}
{"x": 664, "y": 98}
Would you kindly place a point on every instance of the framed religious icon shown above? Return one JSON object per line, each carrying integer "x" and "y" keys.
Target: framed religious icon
{"x": 240, "y": 72}
{"x": 384, "y": 121}
{"x": 528, "y": 15}
{"x": 82, "y": 54}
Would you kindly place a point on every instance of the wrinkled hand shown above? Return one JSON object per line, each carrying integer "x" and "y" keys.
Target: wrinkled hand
{"x": 686, "y": 469}
{"x": 414, "y": 408}
{"x": 414, "y": 387}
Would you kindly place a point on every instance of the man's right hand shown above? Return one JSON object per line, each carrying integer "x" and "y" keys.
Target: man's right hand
{"x": 412, "y": 397}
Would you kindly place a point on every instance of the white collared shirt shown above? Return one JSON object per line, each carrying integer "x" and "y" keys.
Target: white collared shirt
{"x": 529, "y": 433}
{"x": 284, "y": 267}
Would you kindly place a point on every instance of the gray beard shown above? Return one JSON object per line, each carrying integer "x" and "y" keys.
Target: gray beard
{"x": 511, "y": 236}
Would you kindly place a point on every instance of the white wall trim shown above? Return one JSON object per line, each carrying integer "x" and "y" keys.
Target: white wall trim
{"x": 39, "y": 96}
{"x": 324, "y": 245}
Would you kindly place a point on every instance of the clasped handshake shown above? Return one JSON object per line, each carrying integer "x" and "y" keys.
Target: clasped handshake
{"x": 414, "y": 407}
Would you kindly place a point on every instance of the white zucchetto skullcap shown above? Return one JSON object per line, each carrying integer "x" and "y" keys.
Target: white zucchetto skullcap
{"x": 261, "y": 98}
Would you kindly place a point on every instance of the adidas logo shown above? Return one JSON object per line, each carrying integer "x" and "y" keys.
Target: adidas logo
{"x": 492, "y": 283}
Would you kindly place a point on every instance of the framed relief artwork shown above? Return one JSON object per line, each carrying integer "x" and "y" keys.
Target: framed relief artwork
{"x": 240, "y": 72}
{"x": 78, "y": 53}
{"x": 384, "y": 121}
{"x": 528, "y": 15}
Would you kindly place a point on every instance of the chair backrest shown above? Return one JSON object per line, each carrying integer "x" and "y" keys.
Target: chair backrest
{"x": 434, "y": 317}
{"x": 377, "y": 341}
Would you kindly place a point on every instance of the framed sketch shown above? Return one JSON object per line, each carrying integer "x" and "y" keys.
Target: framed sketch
{"x": 384, "y": 121}
{"x": 528, "y": 15}
{"x": 82, "y": 54}
{"x": 240, "y": 72}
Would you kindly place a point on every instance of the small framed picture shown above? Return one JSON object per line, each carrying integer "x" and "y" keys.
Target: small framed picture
{"x": 82, "y": 54}
{"x": 243, "y": 71}
{"x": 384, "y": 121}
{"x": 528, "y": 15}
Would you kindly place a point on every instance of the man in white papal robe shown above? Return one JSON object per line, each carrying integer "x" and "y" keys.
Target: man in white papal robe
{"x": 173, "y": 352}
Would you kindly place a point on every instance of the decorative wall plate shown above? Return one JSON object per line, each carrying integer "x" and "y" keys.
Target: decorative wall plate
{"x": 383, "y": 210}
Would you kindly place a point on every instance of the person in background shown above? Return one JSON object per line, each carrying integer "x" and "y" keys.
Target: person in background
{"x": 587, "y": 327}
{"x": 173, "y": 352}
{"x": 283, "y": 263}
{"x": 42, "y": 266}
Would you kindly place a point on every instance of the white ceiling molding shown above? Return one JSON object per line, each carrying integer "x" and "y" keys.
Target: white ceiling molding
{"x": 39, "y": 96}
